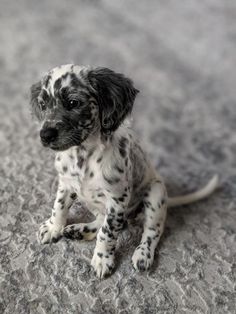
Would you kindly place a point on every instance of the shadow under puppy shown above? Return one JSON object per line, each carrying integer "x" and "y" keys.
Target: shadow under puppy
{"x": 84, "y": 112}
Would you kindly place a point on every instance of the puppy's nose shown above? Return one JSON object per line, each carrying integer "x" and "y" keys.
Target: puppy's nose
{"x": 48, "y": 135}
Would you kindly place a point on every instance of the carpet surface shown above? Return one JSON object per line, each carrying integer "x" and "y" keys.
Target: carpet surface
{"x": 181, "y": 56}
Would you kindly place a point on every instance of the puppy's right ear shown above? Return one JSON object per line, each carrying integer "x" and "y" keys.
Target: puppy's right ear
{"x": 34, "y": 93}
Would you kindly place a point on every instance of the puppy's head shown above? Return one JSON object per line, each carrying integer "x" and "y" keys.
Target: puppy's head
{"x": 75, "y": 102}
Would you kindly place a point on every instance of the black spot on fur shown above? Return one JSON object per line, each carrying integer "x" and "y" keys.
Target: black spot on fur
{"x": 90, "y": 153}
{"x": 99, "y": 254}
{"x": 72, "y": 234}
{"x": 73, "y": 196}
{"x": 86, "y": 229}
{"x": 149, "y": 241}
{"x": 80, "y": 162}
{"x": 111, "y": 180}
{"x": 120, "y": 221}
{"x": 65, "y": 168}
{"x": 120, "y": 170}
{"x": 162, "y": 202}
{"x": 99, "y": 159}
{"x": 61, "y": 200}
{"x": 121, "y": 199}
{"x": 122, "y": 143}
{"x": 152, "y": 229}
{"x": 112, "y": 210}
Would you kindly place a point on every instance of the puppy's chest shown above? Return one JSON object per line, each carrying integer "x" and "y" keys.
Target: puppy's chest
{"x": 80, "y": 172}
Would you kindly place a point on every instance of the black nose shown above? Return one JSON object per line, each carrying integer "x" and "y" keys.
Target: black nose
{"x": 48, "y": 135}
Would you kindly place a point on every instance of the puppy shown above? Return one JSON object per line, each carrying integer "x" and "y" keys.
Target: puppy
{"x": 84, "y": 116}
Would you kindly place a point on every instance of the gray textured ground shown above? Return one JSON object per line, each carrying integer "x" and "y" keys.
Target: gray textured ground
{"x": 181, "y": 55}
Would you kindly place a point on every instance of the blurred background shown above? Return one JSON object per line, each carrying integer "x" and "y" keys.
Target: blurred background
{"x": 181, "y": 56}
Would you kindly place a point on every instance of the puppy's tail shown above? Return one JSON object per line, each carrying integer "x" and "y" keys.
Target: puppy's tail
{"x": 195, "y": 196}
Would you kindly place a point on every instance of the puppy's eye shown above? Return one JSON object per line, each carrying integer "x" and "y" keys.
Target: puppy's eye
{"x": 70, "y": 104}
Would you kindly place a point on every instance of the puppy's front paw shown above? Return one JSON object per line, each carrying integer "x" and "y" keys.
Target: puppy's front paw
{"x": 142, "y": 259}
{"x": 48, "y": 232}
{"x": 102, "y": 263}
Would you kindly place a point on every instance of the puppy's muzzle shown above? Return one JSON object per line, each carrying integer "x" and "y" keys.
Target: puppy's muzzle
{"x": 48, "y": 135}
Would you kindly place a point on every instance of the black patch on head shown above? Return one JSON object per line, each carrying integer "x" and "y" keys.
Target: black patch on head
{"x": 57, "y": 84}
{"x": 115, "y": 95}
{"x": 44, "y": 95}
{"x": 64, "y": 168}
{"x": 75, "y": 82}
{"x": 91, "y": 174}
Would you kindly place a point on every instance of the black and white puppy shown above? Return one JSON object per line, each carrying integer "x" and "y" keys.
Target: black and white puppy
{"x": 84, "y": 115}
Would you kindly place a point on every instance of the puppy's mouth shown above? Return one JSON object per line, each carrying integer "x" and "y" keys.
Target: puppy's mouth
{"x": 62, "y": 143}
{"x": 60, "y": 147}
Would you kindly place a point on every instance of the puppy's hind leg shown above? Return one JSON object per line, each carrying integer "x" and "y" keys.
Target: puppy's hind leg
{"x": 84, "y": 231}
{"x": 155, "y": 208}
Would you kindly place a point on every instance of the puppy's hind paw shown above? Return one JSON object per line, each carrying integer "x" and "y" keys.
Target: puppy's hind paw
{"x": 71, "y": 232}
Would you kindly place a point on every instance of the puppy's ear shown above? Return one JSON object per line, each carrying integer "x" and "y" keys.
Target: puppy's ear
{"x": 34, "y": 93}
{"x": 115, "y": 95}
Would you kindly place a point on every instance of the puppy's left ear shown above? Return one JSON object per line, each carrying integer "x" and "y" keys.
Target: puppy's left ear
{"x": 115, "y": 95}
{"x": 34, "y": 93}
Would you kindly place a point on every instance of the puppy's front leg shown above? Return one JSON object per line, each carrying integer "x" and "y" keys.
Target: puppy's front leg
{"x": 103, "y": 257}
{"x": 52, "y": 229}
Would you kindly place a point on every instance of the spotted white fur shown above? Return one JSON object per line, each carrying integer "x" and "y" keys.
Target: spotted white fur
{"x": 102, "y": 164}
